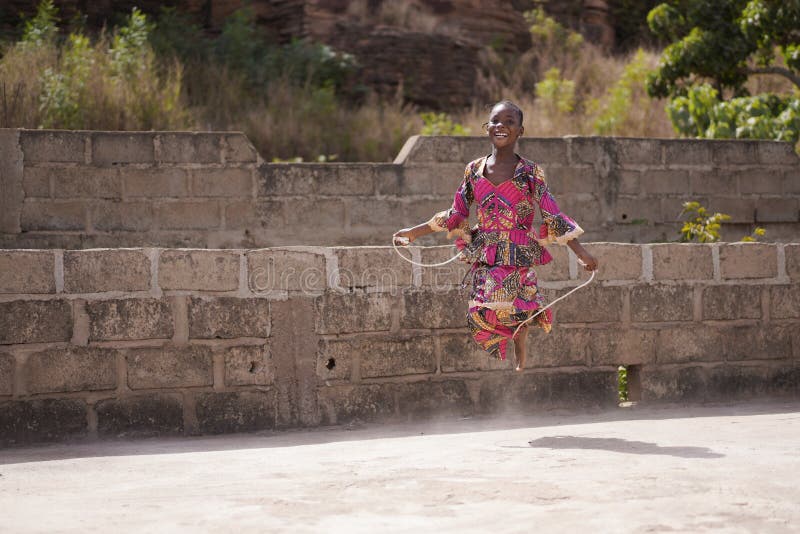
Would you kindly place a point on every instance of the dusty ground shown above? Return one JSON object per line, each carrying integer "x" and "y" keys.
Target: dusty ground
{"x": 709, "y": 469}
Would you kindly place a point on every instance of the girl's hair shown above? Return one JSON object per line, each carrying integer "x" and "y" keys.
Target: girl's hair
{"x": 510, "y": 104}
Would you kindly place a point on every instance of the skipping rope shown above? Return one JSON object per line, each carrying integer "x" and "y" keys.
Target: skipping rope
{"x": 405, "y": 242}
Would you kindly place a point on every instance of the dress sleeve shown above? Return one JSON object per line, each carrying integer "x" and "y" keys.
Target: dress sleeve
{"x": 454, "y": 220}
{"x": 557, "y": 227}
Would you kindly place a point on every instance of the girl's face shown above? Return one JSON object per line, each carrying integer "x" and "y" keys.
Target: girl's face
{"x": 504, "y": 127}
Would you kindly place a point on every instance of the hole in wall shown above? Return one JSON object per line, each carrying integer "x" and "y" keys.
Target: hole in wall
{"x": 624, "y": 216}
{"x": 629, "y": 385}
{"x": 331, "y": 364}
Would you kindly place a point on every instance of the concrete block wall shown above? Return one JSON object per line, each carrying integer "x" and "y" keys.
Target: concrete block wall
{"x": 78, "y": 190}
{"x": 145, "y": 341}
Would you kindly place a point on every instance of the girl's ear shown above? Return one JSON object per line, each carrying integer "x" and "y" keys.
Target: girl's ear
{"x": 521, "y": 131}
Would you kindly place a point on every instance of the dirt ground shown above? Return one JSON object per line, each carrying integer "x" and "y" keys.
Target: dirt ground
{"x": 731, "y": 468}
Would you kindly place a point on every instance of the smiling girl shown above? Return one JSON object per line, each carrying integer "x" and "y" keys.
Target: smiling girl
{"x": 503, "y": 248}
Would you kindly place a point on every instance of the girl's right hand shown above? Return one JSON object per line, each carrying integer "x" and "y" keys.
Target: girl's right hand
{"x": 403, "y": 237}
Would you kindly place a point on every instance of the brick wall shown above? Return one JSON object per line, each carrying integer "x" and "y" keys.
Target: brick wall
{"x": 144, "y": 341}
{"x": 103, "y": 189}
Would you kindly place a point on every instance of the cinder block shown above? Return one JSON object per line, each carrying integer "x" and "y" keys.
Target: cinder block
{"x": 618, "y": 261}
{"x": 336, "y": 358}
{"x": 244, "y": 411}
{"x": 53, "y": 216}
{"x": 666, "y": 182}
{"x": 388, "y": 179}
{"x": 785, "y": 301}
{"x": 671, "y": 384}
{"x": 36, "y": 181}
{"x": 731, "y": 302}
{"x": 628, "y": 210}
{"x": 590, "y": 150}
{"x": 288, "y": 270}
{"x": 252, "y": 215}
{"x": 760, "y": 180}
{"x": 777, "y": 153}
{"x": 638, "y": 151}
{"x": 372, "y": 267}
{"x": 734, "y": 152}
{"x": 686, "y": 152}
{"x": 340, "y": 314}
{"x": 446, "y": 276}
{"x": 593, "y": 304}
{"x": 561, "y": 347}
{"x": 474, "y": 147}
{"x": 122, "y": 216}
{"x": 661, "y": 303}
{"x": 628, "y": 346}
{"x": 441, "y": 179}
{"x": 396, "y": 357}
{"x": 741, "y": 210}
{"x": 434, "y": 309}
{"x": 571, "y": 179}
{"x": 777, "y": 210}
{"x": 114, "y": 148}
{"x": 204, "y": 270}
{"x": 94, "y": 271}
{"x": 327, "y": 214}
{"x": 249, "y": 366}
{"x": 435, "y": 148}
{"x": 140, "y": 416}
{"x": 228, "y": 317}
{"x": 287, "y": 179}
{"x": 758, "y": 342}
{"x": 714, "y": 182}
{"x": 156, "y": 182}
{"x": 27, "y": 271}
{"x": 630, "y": 182}
{"x": 748, "y": 260}
{"x": 587, "y": 206}
{"x": 129, "y": 319}
{"x": 186, "y": 147}
{"x": 682, "y": 261}
{"x": 169, "y": 367}
{"x": 6, "y": 373}
{"x": 543, "y": 150}
{"x": 35, "y": 321}
{"x": 347, "y": 179}
{"x": 343, "y": 404}
{"x": 225, "y": 182}
{"x": 460, "y": 353}
{"x": 792, "y": 254}
{"x": 429, "y": 398}
{"x": 239, "y": 149}
{"x": 32, "y": 421}
{"x": 676, "y": 345}
{"x": 558, "y": 268}
{"x": 791, "y": 181}
{"x": 71, "y": 369}
{"x": 188, "y": 215}
{"x": 415, "y": 211}
{"x": 52, "y": 146}
{"x": 86, "y": 182}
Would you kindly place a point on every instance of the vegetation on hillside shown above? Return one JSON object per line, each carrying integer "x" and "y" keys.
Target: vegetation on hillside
{"x": 301, "y": 100}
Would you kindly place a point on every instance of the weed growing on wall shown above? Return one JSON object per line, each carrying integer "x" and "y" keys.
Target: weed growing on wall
{"x": 700, "y": 226}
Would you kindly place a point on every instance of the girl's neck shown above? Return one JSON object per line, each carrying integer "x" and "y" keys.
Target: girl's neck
{"x": 504, "y": 155}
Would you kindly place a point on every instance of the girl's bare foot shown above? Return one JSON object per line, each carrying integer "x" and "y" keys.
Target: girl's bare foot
{"x": 520, "y": 346}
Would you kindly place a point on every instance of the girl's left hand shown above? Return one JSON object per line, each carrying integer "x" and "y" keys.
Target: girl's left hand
{"x": 589, "y": 262}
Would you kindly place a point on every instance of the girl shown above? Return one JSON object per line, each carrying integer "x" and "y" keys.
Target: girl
{"x": 502, "y": 247}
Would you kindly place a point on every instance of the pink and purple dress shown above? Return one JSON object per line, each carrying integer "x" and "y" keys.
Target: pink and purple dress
{"x": 503, "y": 248}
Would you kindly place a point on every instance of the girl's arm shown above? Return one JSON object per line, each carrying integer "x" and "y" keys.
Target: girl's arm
{"x": 412, "y": 233}
{"x": 589, "y": 261}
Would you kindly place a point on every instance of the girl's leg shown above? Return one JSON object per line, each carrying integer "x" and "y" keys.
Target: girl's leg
{"x": 520, "y": 347}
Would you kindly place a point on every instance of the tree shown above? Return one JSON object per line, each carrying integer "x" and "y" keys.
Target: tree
{"x": 716, "y": 45}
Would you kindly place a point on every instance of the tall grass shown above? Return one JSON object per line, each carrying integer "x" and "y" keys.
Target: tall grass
{"x": 301, "y": 100}
{"x": 114, "y": 83}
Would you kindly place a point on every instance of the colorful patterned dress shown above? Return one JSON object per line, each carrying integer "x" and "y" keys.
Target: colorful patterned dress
{"x": 503, "y": 248}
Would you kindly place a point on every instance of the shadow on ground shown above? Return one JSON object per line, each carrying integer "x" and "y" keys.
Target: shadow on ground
{"x": 363, "y": 432}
